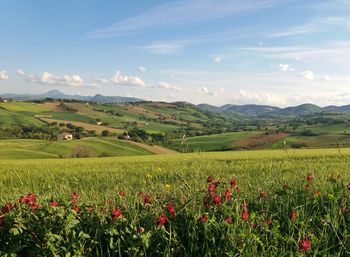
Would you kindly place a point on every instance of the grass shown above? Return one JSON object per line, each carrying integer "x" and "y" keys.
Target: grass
{"x": 41, "y": 149}
{"x": 217, "y": 142}
{"x": 181, "y": 180}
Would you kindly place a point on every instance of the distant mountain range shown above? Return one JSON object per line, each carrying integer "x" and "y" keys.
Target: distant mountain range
{"x": 56, "y": 94}
{"x": 254, "y": 110}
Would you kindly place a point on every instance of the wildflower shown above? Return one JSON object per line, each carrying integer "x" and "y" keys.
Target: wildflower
{"x": 54, "y": 203}
{"x": 307, "y": 187}
{"x": 7, "y": 207}
{"x": 21, "y": 199}
{"x": 227, "y": 195}
{"x": 74, "y": 198}
{"x": 116, "y": 213}
{"x": 34, "y": 206}
{"x": 216, "y": 200}
{"x": 263, "y": 194}
{"x": 147, "y": 199}
{"x": 30, "y": 198}
{"x": 211, "y": 188}
{"x": 245, "y": 215}
{"x": 304, "y": 244}
{"x": 161, "y": 220}
{"x": 253, "y": 225}
{"x": 309, "y": 178}
{"x": 121, "y": 194}
{"x": 170, "y": 208}
{"x": 293, "y": 215}
{"x": 317, "y": 193}
{"x": 233, "y": 183}
{"x": 203, "y": 218}
{"x": 210, "y": 179}
{"x": 76, "y": 208}
{"x": 140, "y": 230}
{"x": 228, "y": 219}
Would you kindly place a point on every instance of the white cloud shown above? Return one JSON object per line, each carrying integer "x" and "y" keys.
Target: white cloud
{"x": 20, "y": 72}
{"x": 163, "y": 48}
{"x": 246, "y": 97}
{"x": 168, "y": 86}
{"x": 285, "y": 67}
{"x": 127, "y": 80}
{"x": 348, "y": 24}
{"x": 183, "y": 12}
{"x": 217, "y": 59}
{"x": 326, "y": 78}
{"x": 142, "y": 69}
{"x": 205, "y": 91}
{"x": 308, "y": 75}
{"x": 48, "y": 78}
{"x": 3, "y": 75}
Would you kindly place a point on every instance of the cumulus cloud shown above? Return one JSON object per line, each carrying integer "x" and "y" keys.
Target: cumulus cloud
{"x": 217, "y": 59}
{"x": 3, "y": 75}
{"x": 127, "y": 80}
{"x": 205, "y": 91}
{"x": 245, "y": 96}
{"x": 142, "y": 69}
{"x": 20, "y": 72}
{"x": 285, "y": 67}
{"x": 168, "y": 86}
{"x": 308, "y": 75}
{"x": 325, "y": 78}
{"x": 48, "y": 78}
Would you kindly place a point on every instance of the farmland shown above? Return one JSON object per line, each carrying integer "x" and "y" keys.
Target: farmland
{"x": 266, "y": 203}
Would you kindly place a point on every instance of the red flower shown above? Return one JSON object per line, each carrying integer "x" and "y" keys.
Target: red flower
{"x": 203, "y": 218}
{"x": 228, "y": 219}
{"x": 34, "y": 206}
{"x": 216, "y": 200}
{"x": 245, "y": 215}
{"x": 54, "y": 203}
{"x": 140, "y": 230}
{"x": 317, "y": 193}
{"x": 147, "y": 199}
{"x": 227, "y": 195}
{"x": 293, "y": 215}
{"x": 210, "y": 179}
{"x": 233, "y": 182}
{"x": 170, "y": 208}
{"x": 309, "y": 178}
{"x": 122, "y": 194}
{"x": 307, "y": 187}
{"x": 161, "y": 220}
{"x": 304, "y": 244}
{"x": 116, "y": 213}
{"x": 76, "y": 208}
{"x": 7, "y": 207}
{"x": 21, "y": 199}
{"x": 253, "y": 225}
{"x": 285, "y": 186}
{"x": 29, "y": 198}
{"x": 211, "y": 188}
{"x": 263, "y": 194}
{"x": 74, "y": 198}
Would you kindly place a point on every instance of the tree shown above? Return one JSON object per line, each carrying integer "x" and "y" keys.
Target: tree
{"x": 105, "y": 133}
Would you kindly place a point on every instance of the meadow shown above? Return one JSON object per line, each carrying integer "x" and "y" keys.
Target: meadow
{"x": 243, "y": 203}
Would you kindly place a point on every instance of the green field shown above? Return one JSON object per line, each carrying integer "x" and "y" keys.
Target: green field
{"x": 216, "y": 142}
{"x": 42, "y": 149}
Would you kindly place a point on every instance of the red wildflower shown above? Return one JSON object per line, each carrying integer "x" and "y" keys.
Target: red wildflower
{"x": 203, "y": 218}
{"x": 317, "y": 193}
{"x": 309, "y": 178}
{"x": 263, "y": 194}
{"x": 285, "y": 186}
{"x": 74, "y": 198}
{"x": 122, "y": 194}
{"x": 210, "y": 179}
{"x": 245, "y": 215}
{"x": 116, "y": 213}
{"x": 170, "y": 208}
{"x": 34, "y": 206}
{"x": 29, "y": 198}
{"x": 228, "y": 219}
{"x": 233, "y": 183}
{"x": 253, "y": 225}
{"x": 21, "y": 199}
{"x": 147, "y": 199}
{"x": 7, "y": 207}
{"x": 161, "y": 220}
{"x": 304, "y": 244}
{"x": 227, "y": 195}
{"x": 54, "y": 203}
{"x": 216, "y": 200}
{"x": 76, "y": 208}
{"x": 307, "y": 187}
{"x": 140, "y": 230}
{"x": 293, "y": 215}
{"x": 211, "y": 188}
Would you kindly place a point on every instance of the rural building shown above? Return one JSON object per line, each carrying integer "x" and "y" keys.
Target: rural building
{"x": 4, "y": 100}
{"x": 99, "y": 123}
{"x": 65, "y": 136}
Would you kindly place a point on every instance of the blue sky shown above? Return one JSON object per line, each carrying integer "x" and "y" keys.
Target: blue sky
{"x": 276, "y": 52}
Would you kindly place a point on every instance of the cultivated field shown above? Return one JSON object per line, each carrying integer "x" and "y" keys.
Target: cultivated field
{"x": 257, "y": 203}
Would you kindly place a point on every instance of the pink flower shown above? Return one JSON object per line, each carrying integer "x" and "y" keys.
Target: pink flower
{"x": 304, "y": 244}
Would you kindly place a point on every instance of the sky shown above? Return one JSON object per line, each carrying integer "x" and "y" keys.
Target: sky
{"x": 273, "y": 52}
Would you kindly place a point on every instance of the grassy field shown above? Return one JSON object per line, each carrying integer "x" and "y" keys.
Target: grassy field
{"x": 217, "y": 142}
